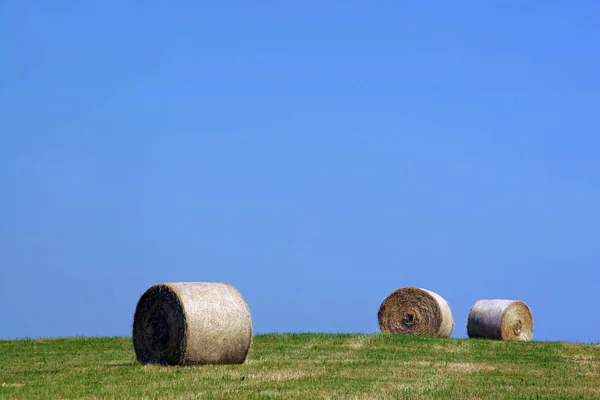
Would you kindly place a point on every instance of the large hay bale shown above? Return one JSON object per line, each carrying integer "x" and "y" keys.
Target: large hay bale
{"x": 190, "y": 323}
{"x": 415, "y": 311}
{"x": 500, "y": 319}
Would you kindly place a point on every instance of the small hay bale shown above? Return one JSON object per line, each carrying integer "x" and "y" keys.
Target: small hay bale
{"x": 415, "y": 311}
{"x": 501, "y": 320}
{"x": 191, "y": 323}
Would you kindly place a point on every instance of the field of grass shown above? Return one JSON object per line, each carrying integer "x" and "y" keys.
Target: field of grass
{"x": 308, "y": 366}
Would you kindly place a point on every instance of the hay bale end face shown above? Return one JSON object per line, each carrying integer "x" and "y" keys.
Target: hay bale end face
{"x": 192, "y": 323}
{"x": 415, "y": 311}
{"x": 501, "y": 320}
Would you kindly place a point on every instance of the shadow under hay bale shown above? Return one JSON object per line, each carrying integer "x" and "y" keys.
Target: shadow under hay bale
{"x": 501, "y": 320}
{"x": 192, "y": 323}
{"x": 415, "y": 311}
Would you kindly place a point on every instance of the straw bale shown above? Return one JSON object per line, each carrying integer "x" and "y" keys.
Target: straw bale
{"x": 415, "y": 311}
{"x": 191, "y": 323}
{"x": 500, "y": 319}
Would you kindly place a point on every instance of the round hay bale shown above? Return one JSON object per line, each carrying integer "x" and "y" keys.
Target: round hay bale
{"x": 415, "y": 311}
{"x": 191, "y": 323}
{"x": 500, "y": 319}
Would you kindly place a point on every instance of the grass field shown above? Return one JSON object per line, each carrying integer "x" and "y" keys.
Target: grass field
{"x": 308, "y": 366}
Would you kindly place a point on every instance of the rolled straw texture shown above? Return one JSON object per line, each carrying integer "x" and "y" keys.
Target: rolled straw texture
{"x": 191, "y": 323}
{"x": 500, "y": 319}
{"x": 415, "y": 311}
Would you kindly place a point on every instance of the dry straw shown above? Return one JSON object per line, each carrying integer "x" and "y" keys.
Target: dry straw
{"x": 500, "y": 319}
{"x": 415, "y": 311}
{"x": 190, "y": 323}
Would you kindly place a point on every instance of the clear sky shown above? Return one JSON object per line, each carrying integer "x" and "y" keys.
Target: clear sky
{"x": 316, "y": 155}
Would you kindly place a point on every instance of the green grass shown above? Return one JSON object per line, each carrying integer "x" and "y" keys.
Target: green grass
{"x": 308, "y": 366}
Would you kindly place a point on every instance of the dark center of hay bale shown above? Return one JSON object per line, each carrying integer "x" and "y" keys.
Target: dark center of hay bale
{"x": 410, "y": 319}
{"x": 157, "y": 324}
{"x": 518, "y": 328}
{"x": 159, "y": 328}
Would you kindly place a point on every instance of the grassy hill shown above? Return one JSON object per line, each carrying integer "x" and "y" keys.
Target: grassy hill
{"x": 308, "y": 366}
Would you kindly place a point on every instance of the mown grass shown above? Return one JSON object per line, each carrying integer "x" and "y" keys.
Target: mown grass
{"x": 308, "y": 366}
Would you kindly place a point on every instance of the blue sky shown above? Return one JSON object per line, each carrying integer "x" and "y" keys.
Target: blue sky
{"x": 316, "y": 156}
